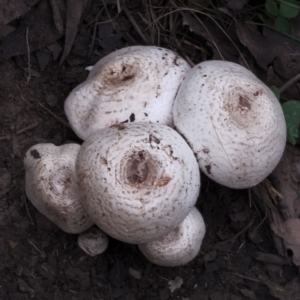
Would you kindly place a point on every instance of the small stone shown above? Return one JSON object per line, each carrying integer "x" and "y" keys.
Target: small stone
{"x": 13, "y": 244}
{"x": 175, "y": 284}
{"x": 134, "y": 273}
{"x": 51, "y": 99}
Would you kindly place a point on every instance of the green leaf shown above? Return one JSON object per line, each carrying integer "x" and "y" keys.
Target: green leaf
{"x": 282, "y": 24}
{"x": 291, "y": 110}
{"x": 275, "y": 90}
{"x": 288, "y": 11}
{"x": 271, "y": 7}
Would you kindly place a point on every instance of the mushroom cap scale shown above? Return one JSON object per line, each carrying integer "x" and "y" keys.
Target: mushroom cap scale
{"x": 50, "y": 185}
{"x": 232, "y": 121}
{"x": 139, "y": 180}
{"x": 179, "y": 246}
{"x": 133, "y": 84}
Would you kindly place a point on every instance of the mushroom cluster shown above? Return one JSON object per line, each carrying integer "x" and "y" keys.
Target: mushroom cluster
{"x": 134, "y": 177}
{"x": 137, "y": 179}
{"x": 137, "y": 182}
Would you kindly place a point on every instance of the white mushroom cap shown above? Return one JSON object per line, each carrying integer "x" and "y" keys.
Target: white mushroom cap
{"x": 137, "y": 83}
{"x": 50, "y": 185}
{"x": 140, "y": 180}
{"x": 232, "y": 121}
{"x": 93, "y": 241}
{"x": 179, "y": 246}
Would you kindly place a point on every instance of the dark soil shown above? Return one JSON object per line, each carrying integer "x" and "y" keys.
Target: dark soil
{"x": 39, "y": 261}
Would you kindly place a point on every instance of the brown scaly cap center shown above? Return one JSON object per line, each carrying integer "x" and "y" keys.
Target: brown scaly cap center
{"x": 119, "y": 75}
{"x": 137, "y": 168}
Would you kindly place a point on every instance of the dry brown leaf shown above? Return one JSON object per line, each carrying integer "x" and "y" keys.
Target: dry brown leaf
{"x": 12, "y": 9}
{"x": 282, "y": 192}
{"x": 286, "y": 179}
{"x": 263, "y": 49}
{"x": 213, "y": 34}
{"x": 289, "y": 231}
{"x": 281, "y": 52}
{"x": 75, "y": 11}
{"x": 37, "y": 27}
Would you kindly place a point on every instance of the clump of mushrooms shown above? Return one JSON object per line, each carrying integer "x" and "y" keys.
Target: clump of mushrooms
{"x": 137, "y": 83}
{"x": 50, "y": 185}
{"x": 232, "y": 121}
{"x": 139, "y": 180}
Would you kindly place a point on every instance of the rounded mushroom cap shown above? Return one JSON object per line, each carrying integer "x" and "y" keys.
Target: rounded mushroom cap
{"x": 232, "y": 121}
{"x": 134, "y": 84}
{"x": 93, "y": 241}
{"x": 50, "y": 185}
{"x": 140, "y": 180}
{"x": 179, "y": 246}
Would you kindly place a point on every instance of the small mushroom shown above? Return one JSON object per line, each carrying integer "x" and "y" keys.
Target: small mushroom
{"x": 50, "y": 185}
{"x": 232, "y": 121}
{"x": 93, "y": 241}
{"x": 179, "y": 246}
{"x": 139, "y": 180}
{"x": 134, "y": 84}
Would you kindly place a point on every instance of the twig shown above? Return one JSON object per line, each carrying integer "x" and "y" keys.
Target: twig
{"x": 245, "y": 277}
{"x": 193, "y": 45}
{"x": 227, "y": 244}
{"x": 22, "y": 94}
{"x": 32, "y": 275}
{"x": 57, "y": 18}
{"x": 119, "y": 6}
{"x": 35, "y": 247}
{"x": 94, "y": 34}
{"x": 180, "y": 9}
{"x": 261, "y": 222}
{"x": 27, "y": 209}
{"x": 28, "y": 55}
{"x": 289, "y": 83}
{"x": 107, "y": 12}
{"x": 130, "y": 39}
{"x": 56, "y": 117}
{"x": 29, "y": 127}
{"x": 135, "y": 25}
{"x": 270, "y": 258}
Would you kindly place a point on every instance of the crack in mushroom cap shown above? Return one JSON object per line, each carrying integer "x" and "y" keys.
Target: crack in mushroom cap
{"x": 179, "y": 246}
{"x": 50, "y": 185}
{"x": 93, "y": 241}
{"x": 137, "y": 83}
{"x": 139, "y": 180}
{"x": 232, "y": 121}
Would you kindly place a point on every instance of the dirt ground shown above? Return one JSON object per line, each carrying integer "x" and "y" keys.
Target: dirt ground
{"x": 39, "y": 261}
